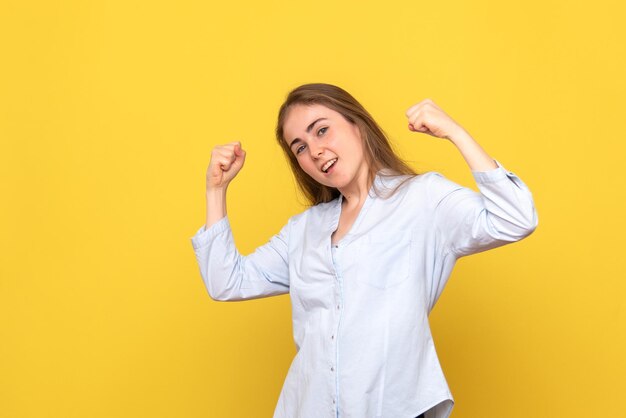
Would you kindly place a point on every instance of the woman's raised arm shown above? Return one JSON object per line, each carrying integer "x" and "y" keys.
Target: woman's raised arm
{"x": 470, "y": 222}
{"x": 228, "y": 275}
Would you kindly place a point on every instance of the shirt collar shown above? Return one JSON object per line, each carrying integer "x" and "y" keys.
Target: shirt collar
{"x": 371, "y": 196}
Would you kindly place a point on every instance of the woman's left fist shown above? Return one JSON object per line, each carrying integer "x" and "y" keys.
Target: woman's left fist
{"x": 428, "y": 118}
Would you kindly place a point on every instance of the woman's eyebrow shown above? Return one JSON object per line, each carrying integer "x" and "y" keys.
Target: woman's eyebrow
{"x": 308, "y": 129}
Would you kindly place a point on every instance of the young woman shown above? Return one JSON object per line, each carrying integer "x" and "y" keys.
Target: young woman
{"x": 366, "y": 262}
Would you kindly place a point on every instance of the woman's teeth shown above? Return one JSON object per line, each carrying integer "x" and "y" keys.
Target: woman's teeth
{"x": 328, "y": 164}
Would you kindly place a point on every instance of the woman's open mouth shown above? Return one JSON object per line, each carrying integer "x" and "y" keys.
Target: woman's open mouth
{"x": 329, "y": 166}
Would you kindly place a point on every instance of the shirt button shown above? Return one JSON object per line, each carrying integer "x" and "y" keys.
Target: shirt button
{"x": 333, "y": 401}
{"x": 332, "y": 337}
{"x": 337, "y": 306}
{"x": 332, "y": 369}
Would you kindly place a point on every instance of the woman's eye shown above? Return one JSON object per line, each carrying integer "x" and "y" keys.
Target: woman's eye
{"x": 322, "y": 129}
{"x": 300, "y": 148}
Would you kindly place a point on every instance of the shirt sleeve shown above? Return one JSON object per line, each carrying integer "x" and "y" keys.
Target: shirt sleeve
{"x": 231, "y": 276}
{"x": 471, "y": 222}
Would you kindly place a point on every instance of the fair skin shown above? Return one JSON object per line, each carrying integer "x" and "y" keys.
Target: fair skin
{"x": 317, "y": 135}
{"x": 335, "y": 137}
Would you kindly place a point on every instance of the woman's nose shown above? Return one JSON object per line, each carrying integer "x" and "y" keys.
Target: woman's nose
{"x": 316, "y": 149}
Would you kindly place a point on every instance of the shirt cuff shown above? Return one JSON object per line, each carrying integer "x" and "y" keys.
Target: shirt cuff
{"x": 492, "y": 175}
{"x": 204, "y": 236}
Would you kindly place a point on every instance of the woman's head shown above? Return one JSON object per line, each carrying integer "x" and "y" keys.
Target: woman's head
{"x": 344, "y": 131}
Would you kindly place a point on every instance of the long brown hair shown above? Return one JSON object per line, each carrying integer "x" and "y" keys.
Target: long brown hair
{"x": 378, "y": 151}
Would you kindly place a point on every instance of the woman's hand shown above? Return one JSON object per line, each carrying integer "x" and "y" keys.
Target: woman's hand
{"x": 428, "y": 118}
{"x": 226, "y": 161}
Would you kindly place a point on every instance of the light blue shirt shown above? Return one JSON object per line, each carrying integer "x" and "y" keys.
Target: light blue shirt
{"x": 360, "y": 310}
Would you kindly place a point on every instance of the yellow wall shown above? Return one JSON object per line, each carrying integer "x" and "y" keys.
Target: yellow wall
{"x": 108, "y": 113}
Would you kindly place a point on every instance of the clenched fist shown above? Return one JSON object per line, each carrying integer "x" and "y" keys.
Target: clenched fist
{"x": 428, "y": 118}
{"x": 226, "y": 161}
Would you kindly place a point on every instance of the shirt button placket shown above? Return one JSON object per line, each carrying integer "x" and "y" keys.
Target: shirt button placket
{"x": 335, "y": 254}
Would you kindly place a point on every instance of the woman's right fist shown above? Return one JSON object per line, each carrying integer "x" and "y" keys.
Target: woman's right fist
{"x": 226, "y": 161}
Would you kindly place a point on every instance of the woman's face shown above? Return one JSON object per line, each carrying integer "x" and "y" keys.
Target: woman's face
{"x": 317, "y": 135}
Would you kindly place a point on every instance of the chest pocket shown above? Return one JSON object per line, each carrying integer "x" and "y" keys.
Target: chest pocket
{"x": 384, "y": 260}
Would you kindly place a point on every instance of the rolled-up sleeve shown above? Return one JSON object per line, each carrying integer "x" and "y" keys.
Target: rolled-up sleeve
{"x": 231, "y": 276}
{"x": 470, "y": 222}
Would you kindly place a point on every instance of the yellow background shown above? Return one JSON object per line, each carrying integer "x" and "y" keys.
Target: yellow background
{"x": 109, "y": 111}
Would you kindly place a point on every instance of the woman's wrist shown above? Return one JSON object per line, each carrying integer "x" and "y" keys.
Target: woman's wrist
{"x": 215, "y": 205}
{"x": 475, "y": 156}
{"x": 216, "y": 192}
{"x": 460, "y": 136}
